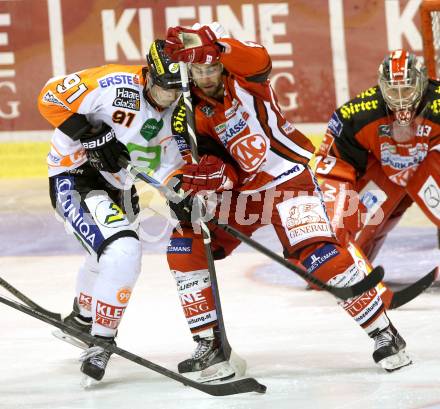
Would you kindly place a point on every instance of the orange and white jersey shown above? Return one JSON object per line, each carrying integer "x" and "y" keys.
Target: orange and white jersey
{"x": 266, "y": 148}
{"x": 111, "y": 94}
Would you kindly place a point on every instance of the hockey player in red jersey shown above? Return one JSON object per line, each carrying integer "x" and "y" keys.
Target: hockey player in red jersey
{"x": 259, "y": 168}
{"x": 101, "y": 114}
{"x": 381, "y": 151}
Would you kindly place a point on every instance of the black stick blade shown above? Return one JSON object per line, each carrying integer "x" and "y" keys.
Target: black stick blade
{"x": 233, "y": 388}
{"x": 27, "y": 300}
{"x": 413, "y": 290}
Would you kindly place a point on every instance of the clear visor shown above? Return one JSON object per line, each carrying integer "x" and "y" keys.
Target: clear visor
{"x": 402, "y": 94}
{"x": 164, "y": 97}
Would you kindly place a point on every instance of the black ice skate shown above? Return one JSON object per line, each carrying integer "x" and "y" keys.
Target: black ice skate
{"x": 76, "y": 320}
{"x": 208, "y": 362}
{"x": 389, "y": 350}
{"x": 95, "y": 359}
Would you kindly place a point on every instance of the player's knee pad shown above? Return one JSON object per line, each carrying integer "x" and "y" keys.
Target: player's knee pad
{"x": 191, "y": 280}
{"x": 119, "y": 268}
{"x": 329, "y": 261}
{"x": 121, "y": 260}
{"x": 186, "y": 251}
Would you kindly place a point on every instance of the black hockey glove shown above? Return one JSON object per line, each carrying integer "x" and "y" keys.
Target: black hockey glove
{"x": 180, "y": 209}
{"x": 189, "y": 208}
{"x": 103, "y": 149}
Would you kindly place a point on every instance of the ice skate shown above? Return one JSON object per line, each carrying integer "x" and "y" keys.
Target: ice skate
{"x": 208, "y": 362}
{"x": 389, "y": 350}
{"x": 76, "y": 320}
{"x": 94, "y": 361}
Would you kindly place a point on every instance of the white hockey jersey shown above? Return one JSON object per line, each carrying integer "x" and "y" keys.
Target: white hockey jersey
{"x": 110, "y": 94}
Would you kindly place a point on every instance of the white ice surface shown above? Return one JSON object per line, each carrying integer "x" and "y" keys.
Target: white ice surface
{"x": 300, "y": 344}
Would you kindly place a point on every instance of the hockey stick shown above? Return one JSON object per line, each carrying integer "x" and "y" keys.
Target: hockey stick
{"x": 407, "y": 294}
{"x": 27, "y": 300}
{"x": 186, "y": 91}
{"x": 395, "y": 299}
{"x": 344, "y": 293}
{"x": 229, "y": 388}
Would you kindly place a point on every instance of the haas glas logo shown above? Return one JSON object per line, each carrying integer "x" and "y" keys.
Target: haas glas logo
{"x": 250, "y": 151}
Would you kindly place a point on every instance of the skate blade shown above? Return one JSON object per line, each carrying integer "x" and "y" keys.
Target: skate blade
{"x": 218, "y": 372}
{"x": 395, "y": 362}
{"x": 87, "y": 382}
{"x": 69, "y": 339}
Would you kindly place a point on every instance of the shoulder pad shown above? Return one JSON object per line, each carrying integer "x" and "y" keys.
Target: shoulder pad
{"x": 366, "y": 107}
{"x": 430, "y": 105}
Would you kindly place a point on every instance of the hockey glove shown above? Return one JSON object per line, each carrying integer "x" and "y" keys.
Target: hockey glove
{"x": 103, "y": 149}
{"x": 180, "y": 209}
{"x": 211, "y": 174}
{"x": 192, "y": 46}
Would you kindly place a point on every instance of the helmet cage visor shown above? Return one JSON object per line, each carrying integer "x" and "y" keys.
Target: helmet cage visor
{"x": 404, "y": 94}
{"x": 402, "y": 80}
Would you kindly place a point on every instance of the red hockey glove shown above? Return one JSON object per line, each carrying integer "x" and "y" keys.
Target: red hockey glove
{"x": 192, "y": 46}
{"x": 210, "y": 174}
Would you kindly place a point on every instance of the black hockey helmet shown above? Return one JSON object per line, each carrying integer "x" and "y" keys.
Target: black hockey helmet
{"x": 163, "y": 71}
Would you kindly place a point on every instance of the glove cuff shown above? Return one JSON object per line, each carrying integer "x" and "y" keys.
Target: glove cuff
{"x": 96, "y": 138}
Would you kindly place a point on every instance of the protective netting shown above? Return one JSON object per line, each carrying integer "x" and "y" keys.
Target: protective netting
{"x": 435, "y": 18}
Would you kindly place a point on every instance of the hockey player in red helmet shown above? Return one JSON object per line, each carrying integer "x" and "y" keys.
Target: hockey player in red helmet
{"x": 381, "y": 145}
{"x": 381, "y": 153}
{"x": 402, "y": 82}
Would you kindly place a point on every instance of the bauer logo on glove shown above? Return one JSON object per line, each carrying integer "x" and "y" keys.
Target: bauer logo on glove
{"x": 101, "y": 140}
{"x": 103, "y": 149}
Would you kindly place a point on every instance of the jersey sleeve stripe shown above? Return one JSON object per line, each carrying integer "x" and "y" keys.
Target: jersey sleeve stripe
{"x": 75, "y": 126}
{"x": 285, "y": 148}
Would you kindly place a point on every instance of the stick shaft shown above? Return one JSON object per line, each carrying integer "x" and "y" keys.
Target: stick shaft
{"x": 186, "y": 91}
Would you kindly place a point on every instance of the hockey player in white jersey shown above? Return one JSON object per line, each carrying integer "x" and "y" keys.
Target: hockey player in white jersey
{"x": 100, "y": 114}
